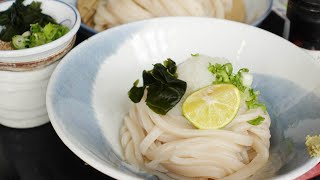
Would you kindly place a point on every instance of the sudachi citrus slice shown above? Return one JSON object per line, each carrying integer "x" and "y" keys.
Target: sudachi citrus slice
{"x": 212, "y": 107}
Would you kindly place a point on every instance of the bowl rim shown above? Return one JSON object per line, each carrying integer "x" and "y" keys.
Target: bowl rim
{"x": 256, "y": 22}
{"x": 73, "y": 146}
{"x": 46, "y": 47}
{"x": 39, "y": 63}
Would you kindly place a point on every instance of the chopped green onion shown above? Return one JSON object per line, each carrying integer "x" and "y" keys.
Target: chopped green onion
{"x": 244, "y": 70}
{"x": 195, "y": 55}
{"x": 62, "y": 30}
{"x": 26, "y": 34}
{"x": 242, "y": 80}
{"x": 50, "y": 31}
{"x": 37, "y": 39}
{"x": 19, "y": 42}
{"x": 257, "y": 121}
{"x": 38, "y": 36}
{"x": 254, "y": 105}
{"x": 228, "y": 68}
{"x": 35, "y": 28}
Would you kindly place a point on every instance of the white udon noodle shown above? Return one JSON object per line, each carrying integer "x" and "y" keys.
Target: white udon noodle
{"x": 111, "y": 13}
{"x": 169, "y": 146}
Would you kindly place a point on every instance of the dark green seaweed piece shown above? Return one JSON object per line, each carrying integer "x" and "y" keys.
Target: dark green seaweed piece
{"x": 18, "y": 18}
{"x": 165, "y": 90}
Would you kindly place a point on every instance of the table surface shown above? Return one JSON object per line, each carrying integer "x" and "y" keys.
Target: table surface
{"x": 39, "y": 154}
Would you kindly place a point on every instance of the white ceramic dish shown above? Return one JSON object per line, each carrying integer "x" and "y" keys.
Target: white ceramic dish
{"x": 24, "y": 74}
{"x": 63, "y": 13}
{"x": 257, "y": 11}
{"x": 87, "y": 94}
{"x": 22, "y": 92}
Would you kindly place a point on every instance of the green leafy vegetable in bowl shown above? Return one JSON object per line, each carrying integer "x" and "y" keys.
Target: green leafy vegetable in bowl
{"x": 26, "y": 26}
{"x": 242, "y": 80}
{"x": 39, "y": 35}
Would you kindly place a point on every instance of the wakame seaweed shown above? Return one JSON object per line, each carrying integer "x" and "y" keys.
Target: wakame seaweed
{"x": 165, "y": 90}
{"x": 17, "y": 19}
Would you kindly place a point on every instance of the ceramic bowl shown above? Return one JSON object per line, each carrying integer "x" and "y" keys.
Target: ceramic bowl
{"x": 24, "y": 74}
{"x": 63, "y": 13}
{"x": 257, "y": 11}
{"x": 87, "y": 94}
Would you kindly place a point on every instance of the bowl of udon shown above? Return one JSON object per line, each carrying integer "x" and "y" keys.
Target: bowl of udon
{"x": 98, "y": 15}
{"x": 160, "y": 99}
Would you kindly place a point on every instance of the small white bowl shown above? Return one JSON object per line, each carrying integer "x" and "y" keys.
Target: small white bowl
{"x": 63, "y": 13}
{"x": 24, "y": 74}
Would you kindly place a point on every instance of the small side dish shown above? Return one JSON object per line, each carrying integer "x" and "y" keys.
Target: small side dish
{"x": 25, "y": 26}
{"x": 34, "y": 36}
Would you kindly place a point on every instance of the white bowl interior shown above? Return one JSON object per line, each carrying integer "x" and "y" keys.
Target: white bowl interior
{"x": 87, "y": 94}
{"x": 63, "y": 13}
